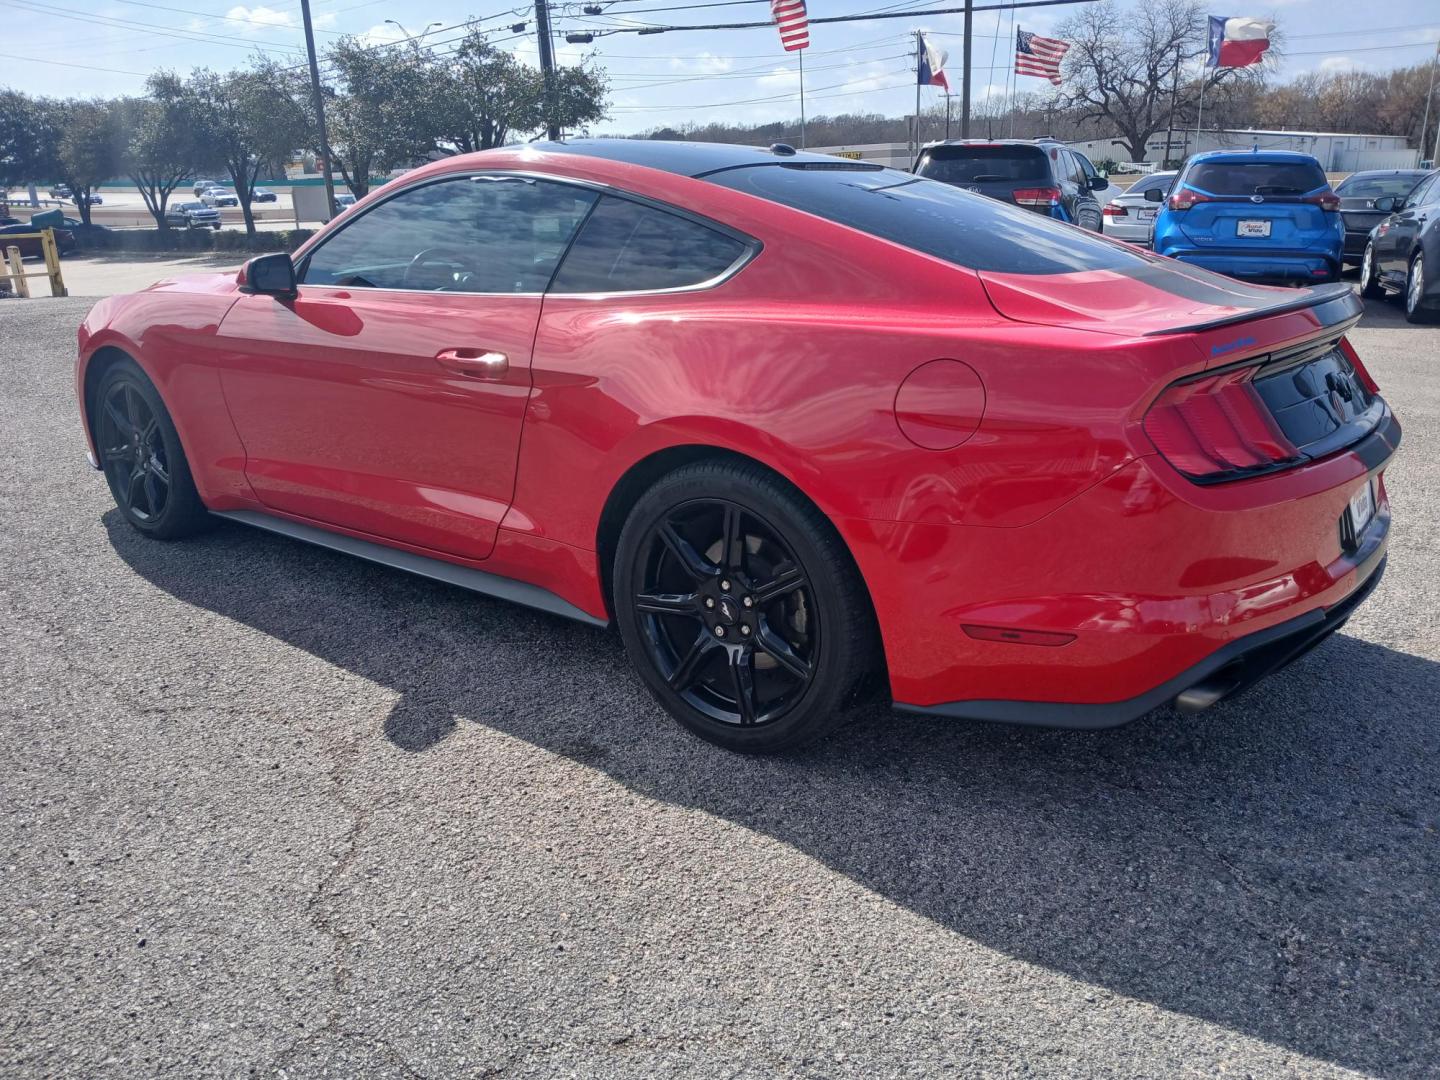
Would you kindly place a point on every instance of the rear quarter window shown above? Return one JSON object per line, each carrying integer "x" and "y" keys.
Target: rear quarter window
{"x": 982, "y": 164}
{"x": 937, "y": 219}
{"x": 1256, "y": 177}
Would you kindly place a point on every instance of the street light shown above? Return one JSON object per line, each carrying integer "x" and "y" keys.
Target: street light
{"x": 408, "y": 35}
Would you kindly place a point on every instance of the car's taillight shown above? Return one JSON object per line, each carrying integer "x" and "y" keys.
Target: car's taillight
{"x": 1111, "y": 210}
{"x": 1037, "y": 197}
{"x": 1328, "y": 201}
{"x": 1362, "y": 372}
{"x": 1185, "y": 198}
{"x": 1217, "y": 425}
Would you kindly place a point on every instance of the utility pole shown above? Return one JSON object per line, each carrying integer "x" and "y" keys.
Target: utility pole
{"x": 965, "y": 81}
{"x": 1425, "y": 124}
{"x": 547, "y": 66}
{"x": 319, "y": 107}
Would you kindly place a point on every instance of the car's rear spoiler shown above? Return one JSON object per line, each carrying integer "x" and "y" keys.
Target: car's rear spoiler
{"x": 1334, "y": 304}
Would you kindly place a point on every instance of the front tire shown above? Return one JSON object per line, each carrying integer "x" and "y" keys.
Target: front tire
{"x": 741, "y": 608}
{"x": 1414, "y": 299}
{"x": 1369, "y": 275}
{"x": 144, "y": 464}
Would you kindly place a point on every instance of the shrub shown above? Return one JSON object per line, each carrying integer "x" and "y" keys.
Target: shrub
{"x": 189, "y": 240}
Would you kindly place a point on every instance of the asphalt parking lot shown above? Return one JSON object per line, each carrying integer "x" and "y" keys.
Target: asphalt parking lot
{"x": 272, "y": 811}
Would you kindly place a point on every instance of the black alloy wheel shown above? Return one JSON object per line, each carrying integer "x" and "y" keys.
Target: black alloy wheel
{"x": 740, "y": 607}
{"x": 140, "y": 452}
{"x": 133, "y": 453}
{"x": 728, "y": 616}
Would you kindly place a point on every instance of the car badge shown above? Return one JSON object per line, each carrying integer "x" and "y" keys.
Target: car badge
{"x": 1257, "y": 198}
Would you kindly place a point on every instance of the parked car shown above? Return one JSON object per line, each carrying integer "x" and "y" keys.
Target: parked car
{"x": 769, "y": 526}
{"x": 1358, "y": 193}
{"x": 1131, "y": 216}
{"x": 261, "y": 194}
{"x": 89, "y": 236}
{"x": 1264, "y": 216}
{"x": 33, "y": 248}
{"x": 344, "y": 199}
{"x": 1402, "y": 255}
{"x": 192, "y": 215}
{"x": 1041, "y": 175}
{"x": 202, "y": 186}
{"x": 217, "y": 196}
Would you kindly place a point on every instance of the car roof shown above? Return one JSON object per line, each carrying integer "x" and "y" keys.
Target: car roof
{"x": 991, "y": 142}
{"x": 685, "y": 158}
{"x": 1388, "y": 172}
{"x": 1271, "y": 157}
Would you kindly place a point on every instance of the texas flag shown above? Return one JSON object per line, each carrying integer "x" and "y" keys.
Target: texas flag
{"x": 932, "y": 65}
{"x": 1237, "y": 42}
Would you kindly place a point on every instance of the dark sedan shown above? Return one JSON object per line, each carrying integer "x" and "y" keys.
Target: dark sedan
{"x": 1358, "y": 193}
{"x": 1402, "y": 256}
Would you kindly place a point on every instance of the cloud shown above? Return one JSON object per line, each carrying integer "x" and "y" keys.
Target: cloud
{"x": 704, "y": 64}
{"x": 382, "y": 34}
{"x": 260, "y": 18}
{"x": 779, "y": 80}
{"x": 1339, "y": 63}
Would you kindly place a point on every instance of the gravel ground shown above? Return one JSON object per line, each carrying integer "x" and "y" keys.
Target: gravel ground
{"x": 272, "y": 811}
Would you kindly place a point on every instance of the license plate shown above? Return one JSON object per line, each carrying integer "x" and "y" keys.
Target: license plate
{"x": 1252, "y": 228}
{"x": 1362, "y": 508}
{"x": 1147, "y": 215}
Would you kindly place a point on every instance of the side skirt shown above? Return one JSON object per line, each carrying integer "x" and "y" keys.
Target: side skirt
{"x": 502, "y": 588}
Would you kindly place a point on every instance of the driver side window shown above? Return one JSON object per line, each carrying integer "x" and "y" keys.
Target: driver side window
{"x": 477, "y": 234}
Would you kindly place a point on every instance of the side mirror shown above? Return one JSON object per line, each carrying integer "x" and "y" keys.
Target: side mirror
{"x": 1386, "y": 204}
{"x": 1098, "y": 183}
{"x": 270, "y": 275}
{"x": 1154, "y": 194}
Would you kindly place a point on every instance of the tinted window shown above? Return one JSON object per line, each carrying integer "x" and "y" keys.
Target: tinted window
{"x": 1155, "y": 181}
{"x": 628, "y": 247}
{"x": 1424, "y": 192}
{"x": 469, "y": 234}
{"x": 935, "y": 218}
{"x": 1375, "y": 187}
{"x": 979, "y": 164}
{"x": 1256, "y": 177}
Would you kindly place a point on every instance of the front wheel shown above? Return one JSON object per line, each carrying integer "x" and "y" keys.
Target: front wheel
{"x": 142, "y": 458}
{"x": 741, "y": 608}
{"x": 1369, "y": 277}
{"x": 1415, "y": 285}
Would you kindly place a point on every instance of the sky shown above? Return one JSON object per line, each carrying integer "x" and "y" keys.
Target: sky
{"x": 106, "y": 47}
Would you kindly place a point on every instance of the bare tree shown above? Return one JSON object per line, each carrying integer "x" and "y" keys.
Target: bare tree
{"x": 1122, "y": 66}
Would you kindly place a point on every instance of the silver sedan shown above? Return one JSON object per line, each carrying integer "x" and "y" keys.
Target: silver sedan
{"x": 1129, "y": 216}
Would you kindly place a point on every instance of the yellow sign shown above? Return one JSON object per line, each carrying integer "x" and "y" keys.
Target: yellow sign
{"x": 853, "y": 155}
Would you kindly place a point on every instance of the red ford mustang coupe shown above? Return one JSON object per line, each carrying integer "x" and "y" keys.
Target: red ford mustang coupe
{"x": 800, "y": 426}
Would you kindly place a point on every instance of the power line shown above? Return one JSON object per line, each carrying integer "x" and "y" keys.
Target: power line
{"x": 62, "y": 63}
{"x": 126, "y": 24}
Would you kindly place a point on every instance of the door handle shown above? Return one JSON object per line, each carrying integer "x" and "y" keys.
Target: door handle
{"x": 476, "y": 363}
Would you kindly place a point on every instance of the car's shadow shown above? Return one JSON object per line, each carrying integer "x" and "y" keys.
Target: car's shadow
{"x": 1270, "y": 866}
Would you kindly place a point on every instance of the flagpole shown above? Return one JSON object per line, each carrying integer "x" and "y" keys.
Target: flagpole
{"x": 919, "y": 61}
{"x": 1200, "y": 112}
{"x": 802, "y": 97}
{"x": 990, "y": 79}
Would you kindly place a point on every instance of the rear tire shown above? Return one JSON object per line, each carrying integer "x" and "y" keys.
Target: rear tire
{"x": 741, "y": 608}
{"x": 1369, "y": 276}
{"x": 144, "y": 463}
{"x": 1415, "y": 310}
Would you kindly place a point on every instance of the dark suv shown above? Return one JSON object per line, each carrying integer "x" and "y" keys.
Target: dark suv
{"x": 1041, "y": 175}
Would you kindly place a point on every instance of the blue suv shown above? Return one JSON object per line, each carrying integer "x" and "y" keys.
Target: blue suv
{"x": 1266, "y": 216}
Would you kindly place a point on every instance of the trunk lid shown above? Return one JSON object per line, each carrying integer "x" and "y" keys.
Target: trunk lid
{"x": 1263, "y": 225}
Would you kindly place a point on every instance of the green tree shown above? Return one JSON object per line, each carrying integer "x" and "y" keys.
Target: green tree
{"x": 25, "y": 140}
{"x": 248, "y": 124}
{"x": 90, "y": 148}
{"x": 163, "y": 141}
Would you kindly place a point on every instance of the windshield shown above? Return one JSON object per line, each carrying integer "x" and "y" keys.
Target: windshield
{"x": 937, "y": 219}
{"x": 979, "y": 164}
{"x": 1377, "y": 187}
{"x": 1256, "y": 177}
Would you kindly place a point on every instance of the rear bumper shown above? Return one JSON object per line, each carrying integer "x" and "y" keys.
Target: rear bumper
{"x": 1280, "y": 267}
{"x": 1137, "y": 590}
{"x": 1354, "y": 249}
{"x": 1228, "y": 671}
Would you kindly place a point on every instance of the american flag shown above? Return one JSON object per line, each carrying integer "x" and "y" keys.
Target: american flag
{"x": 1036, "y": 55}
{"x": 794, "y": 25}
